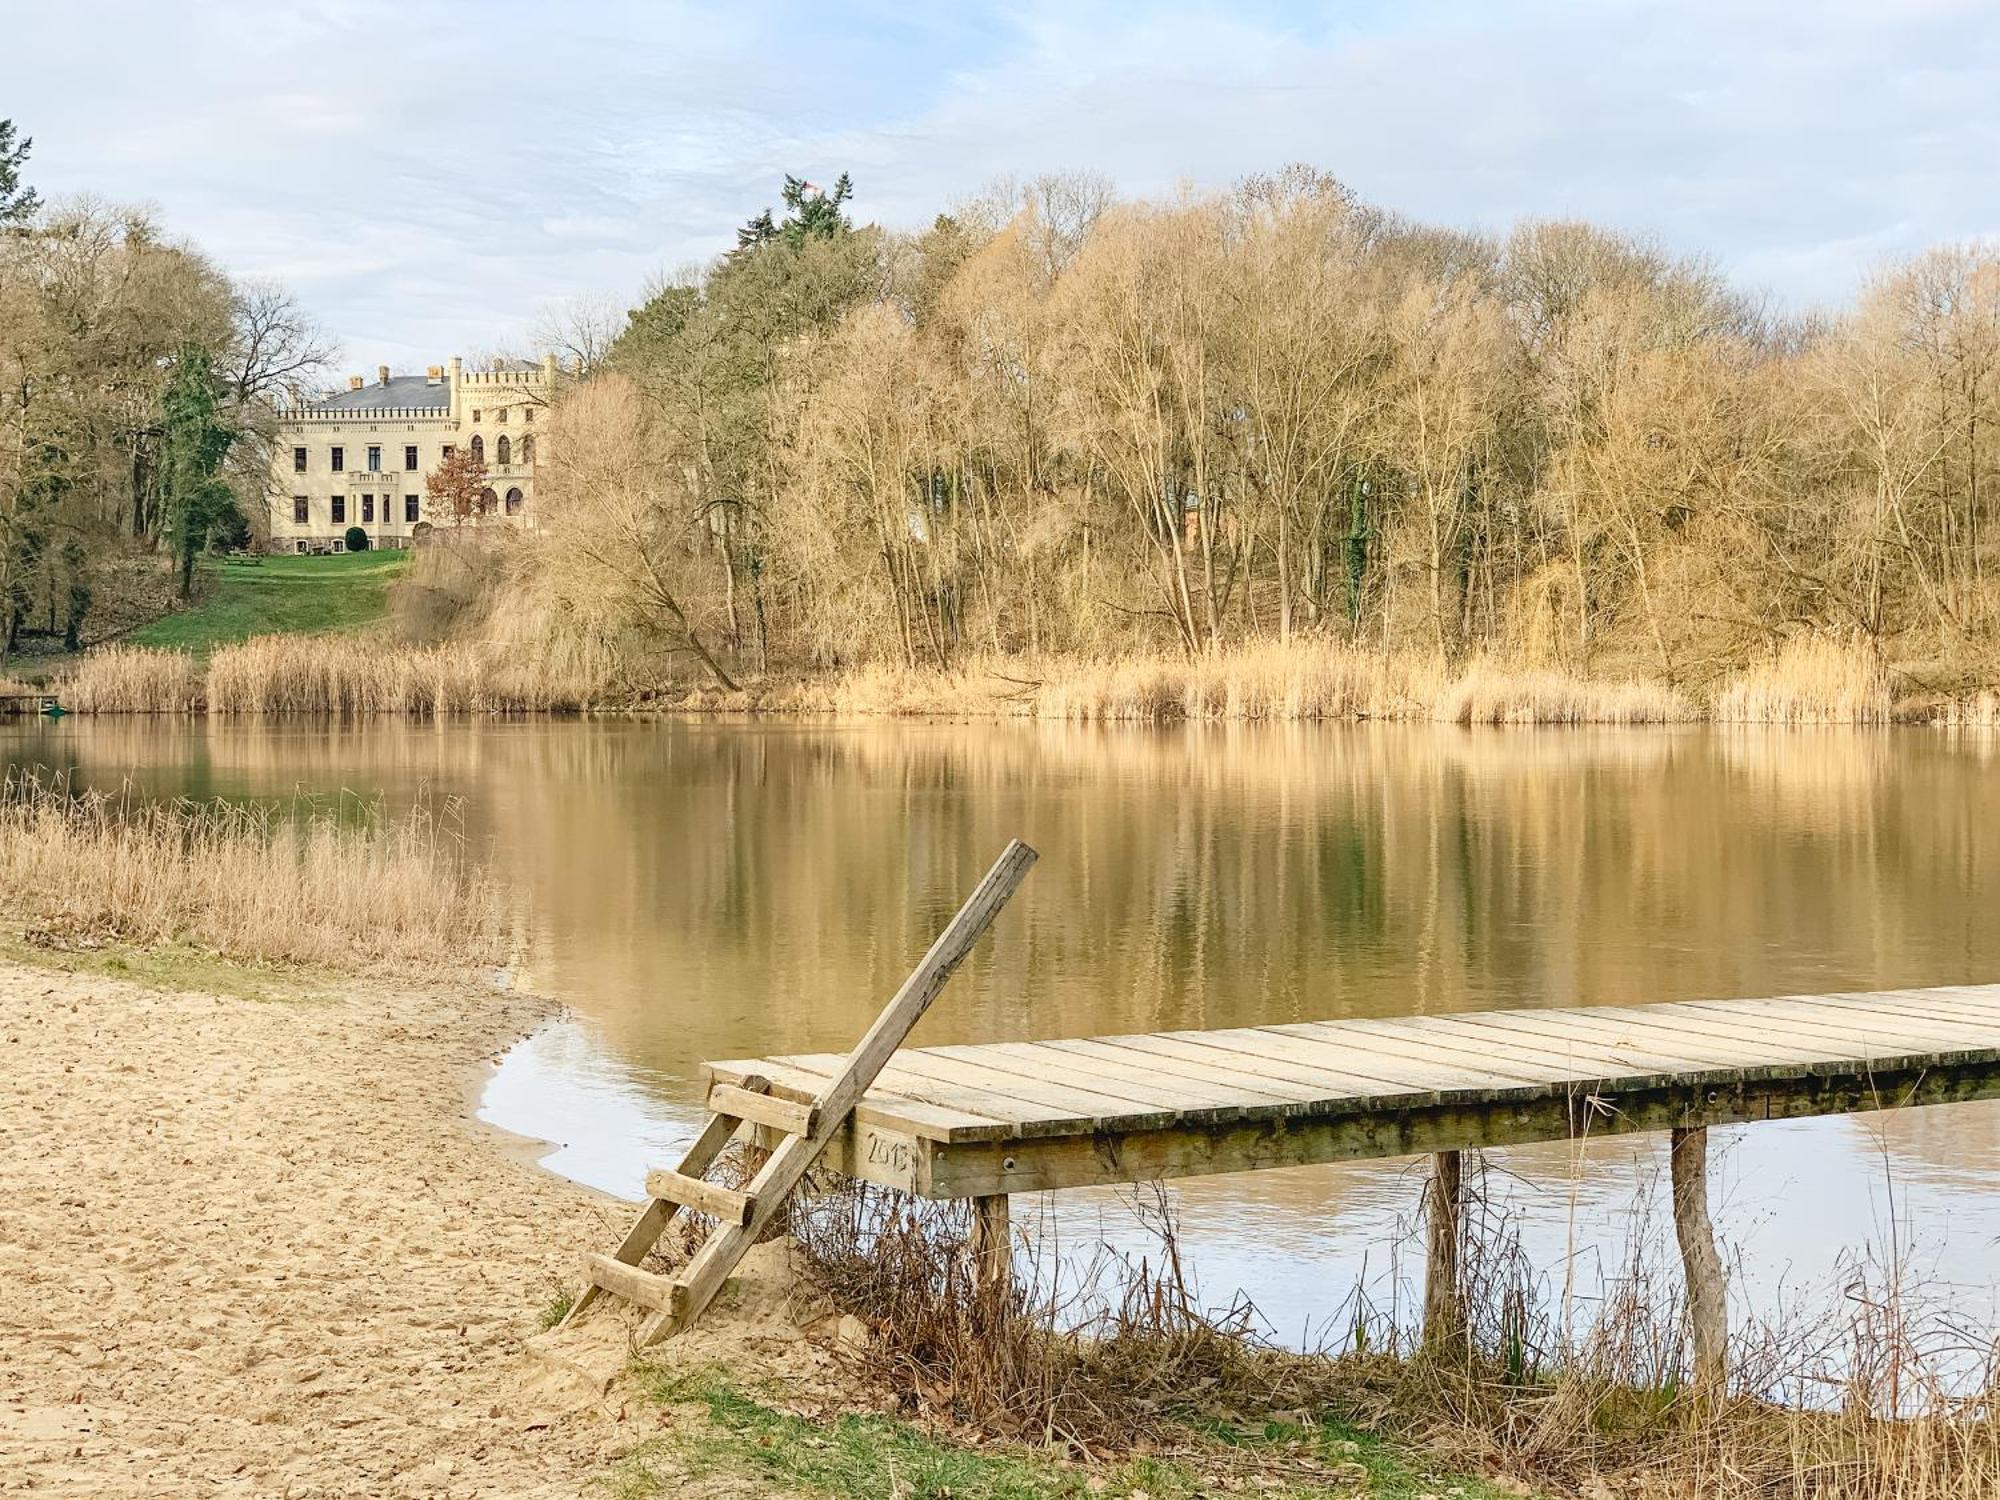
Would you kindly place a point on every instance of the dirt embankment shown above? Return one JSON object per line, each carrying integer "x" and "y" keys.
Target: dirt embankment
{"x": 256, "y": 1247}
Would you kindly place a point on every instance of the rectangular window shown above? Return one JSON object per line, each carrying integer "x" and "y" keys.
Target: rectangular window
{"x": 410, "y": 457}
{"x": 374, "y": 458}
{"x": 410, "y": 508}
{"x": 528, "y": 415}
{"x": 339, "y": 544}
{"x": 475, "y": 414}
{"x": 449, "y": 450}
{"x": 302, "y": 544}
{"x": 298, "y": 460}
{"x": 339, "y": 509}
{"x": 339, "y": 459}
{"x": 368, "y": 507}
{"x": 300, "y": 515}
{"x": 500, "y": 415}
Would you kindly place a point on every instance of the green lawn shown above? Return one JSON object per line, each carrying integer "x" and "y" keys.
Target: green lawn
{"x": 281, "y": 596}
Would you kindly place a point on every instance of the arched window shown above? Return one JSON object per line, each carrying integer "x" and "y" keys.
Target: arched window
{"x": 488, "y": 502}
{"x": 527, "y": 450}
{"x": 479, "y": 447}
{"x": 503, "y": 451}
{"x": 514, "y": 502}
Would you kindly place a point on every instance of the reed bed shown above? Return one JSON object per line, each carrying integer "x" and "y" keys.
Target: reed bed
{"x": 346, "y": 886}
{"x": 342, "y": 676}
{"x": 1812, "y": 679}
{"x": 133, "y": 680}
{"x": 1875, "y": 1399}
{"x": 1306, "y": 681}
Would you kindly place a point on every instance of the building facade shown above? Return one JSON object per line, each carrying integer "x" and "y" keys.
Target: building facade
{"x": 360, "y": 457}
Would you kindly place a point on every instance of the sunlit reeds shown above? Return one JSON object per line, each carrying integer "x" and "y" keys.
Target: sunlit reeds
{"x": 341, "y": 885}
{"x": 1812, "y": 679}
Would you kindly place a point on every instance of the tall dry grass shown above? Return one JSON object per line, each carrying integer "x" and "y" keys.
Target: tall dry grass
{"x": 133, "y": 680}
{"x": 1309, "y": 680}
{"x": 285, "y": 674}
{"x": 343, "y": 676}
{"x": 1812, "y": 679}
{"x": 345, "y": 887}
{"x": 1861, "y": 1402}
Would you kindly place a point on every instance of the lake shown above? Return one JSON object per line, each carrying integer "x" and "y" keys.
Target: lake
{"x": 718, "y": 889}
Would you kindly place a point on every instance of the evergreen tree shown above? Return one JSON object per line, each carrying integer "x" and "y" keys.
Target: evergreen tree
{"x": 759, "y": 231}
{"x": 815, "y": 214}
{"x": 196, "y": 500}
{"x": 16, "y": 202}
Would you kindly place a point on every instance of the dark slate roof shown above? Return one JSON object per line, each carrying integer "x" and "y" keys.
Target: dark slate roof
{"x": 402, "y": 391}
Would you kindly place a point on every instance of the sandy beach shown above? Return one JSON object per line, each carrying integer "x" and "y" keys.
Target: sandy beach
{"x": 259, "y": 1247}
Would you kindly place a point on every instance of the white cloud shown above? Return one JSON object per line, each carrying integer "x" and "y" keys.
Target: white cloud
{"x": 427, "y": 176}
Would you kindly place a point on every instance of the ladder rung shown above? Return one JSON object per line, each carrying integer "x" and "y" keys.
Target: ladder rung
{"x": 787, "y": 1115}
{"x": 657, "y": 1292}
{"x": 726, "y": 1204}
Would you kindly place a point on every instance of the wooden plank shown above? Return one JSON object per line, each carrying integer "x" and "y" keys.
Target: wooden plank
{"x": 896, "y": 1084}
{"x": 1928, "y": 1005}
{"x": 1845, "y": 1030}
{"x": 1647, "y": 1049}
{"x": 1177, "y": 1065}
{"x": 656, "y": 1216}
{"x": 778, "y": 1113}
{"x": 1574, "y": 1052}
{"x": 1402, "y": 1077}
{"x": 629, "y": 1282}
{"x": 718, "y": 1202}
{"x": 1246, "y": 1049}
{"x": 1088, "y": 1107}
{"x": 1451, "y": 1071}
{"x": 802, "y": 1082}
{"x": 784, "y": 1167}
{"x": 1125, "y": 1076}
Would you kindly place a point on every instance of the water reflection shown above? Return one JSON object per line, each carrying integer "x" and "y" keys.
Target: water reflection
{"x": 706, "y": 890}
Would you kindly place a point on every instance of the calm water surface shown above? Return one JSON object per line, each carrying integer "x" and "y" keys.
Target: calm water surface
{"x": 716, "y": 890}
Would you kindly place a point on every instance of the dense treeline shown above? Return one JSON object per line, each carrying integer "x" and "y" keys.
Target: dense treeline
{"x": 136, "y": 382}
{"x": 1055, "y": 423}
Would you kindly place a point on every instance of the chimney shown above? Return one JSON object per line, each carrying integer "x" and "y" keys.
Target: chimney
{"x": 382, "y": 373}
{"x": 434, "y": 374}
{"x": 457, "y": 364}
{"x": 355, "y": 382}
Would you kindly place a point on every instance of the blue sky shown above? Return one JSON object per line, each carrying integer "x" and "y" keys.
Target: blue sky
{"x": 427, "y": 174}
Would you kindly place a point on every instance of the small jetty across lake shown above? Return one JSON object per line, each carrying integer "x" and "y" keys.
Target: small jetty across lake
{"x": 984, "y": 1121}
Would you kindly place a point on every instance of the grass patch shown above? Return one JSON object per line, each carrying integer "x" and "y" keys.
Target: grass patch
{"x": 865, "y": 1457}
{"x": 172, "y": 966}
{"x": 287, "y": 595}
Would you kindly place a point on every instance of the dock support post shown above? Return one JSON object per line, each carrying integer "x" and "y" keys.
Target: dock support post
{"x": 1444, "y": 1298}
{"x": 992, "y": 1247}
{"x": 1708, "y": 1308}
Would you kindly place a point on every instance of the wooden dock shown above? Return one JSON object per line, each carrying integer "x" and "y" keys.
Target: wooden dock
{"x": 961, "y": 1122}
{"x": 985, "y": 1121}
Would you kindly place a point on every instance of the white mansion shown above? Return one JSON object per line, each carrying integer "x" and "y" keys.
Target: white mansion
{"x": 359, "y": 457}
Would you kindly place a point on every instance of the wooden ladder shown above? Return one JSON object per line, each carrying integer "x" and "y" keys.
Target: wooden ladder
{"x": 741, "y": 1214}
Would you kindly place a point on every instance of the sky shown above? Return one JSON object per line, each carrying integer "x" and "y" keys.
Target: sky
{"x": 426, "y": 175}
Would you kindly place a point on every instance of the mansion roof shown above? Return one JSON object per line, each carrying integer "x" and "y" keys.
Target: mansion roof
{"x": 398, "y": 393}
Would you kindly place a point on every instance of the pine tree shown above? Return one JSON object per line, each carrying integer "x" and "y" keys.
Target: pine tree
{"x": 16, "y": 202}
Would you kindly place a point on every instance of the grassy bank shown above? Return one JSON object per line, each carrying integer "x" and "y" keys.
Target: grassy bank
{"x": 721, "y": 1428}
{"x": 280, "y": 595}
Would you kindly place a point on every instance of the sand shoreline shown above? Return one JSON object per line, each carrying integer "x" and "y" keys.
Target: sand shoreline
{"x": 263, "y": 1247}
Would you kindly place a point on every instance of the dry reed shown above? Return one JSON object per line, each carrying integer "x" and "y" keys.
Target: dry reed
{"x": 1813, "y": 679}
{"x": 349, "y": 886}
{"x": 341, "y": 676}
{"x": 133, "y": 680}
{"x": 1855, "y": 1405}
